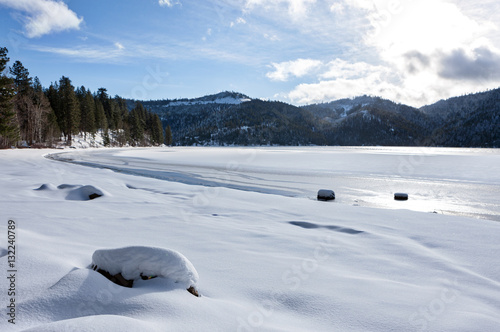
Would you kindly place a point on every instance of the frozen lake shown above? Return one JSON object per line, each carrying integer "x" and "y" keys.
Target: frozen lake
{"x": 462, "y": 182}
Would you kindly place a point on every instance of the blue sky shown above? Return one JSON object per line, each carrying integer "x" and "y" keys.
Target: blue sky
{"x": 297, "y": 51}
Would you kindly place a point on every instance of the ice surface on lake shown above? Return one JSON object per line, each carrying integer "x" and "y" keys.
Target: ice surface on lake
{"x": 441, "y": 180}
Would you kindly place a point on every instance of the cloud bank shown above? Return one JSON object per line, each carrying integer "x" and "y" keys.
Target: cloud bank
{"x": 415, "y": 52}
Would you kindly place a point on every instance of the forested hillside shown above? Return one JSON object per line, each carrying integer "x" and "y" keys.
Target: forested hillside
{"x": 230, "y": 118}
{"x": 31, "y": 115}
{"x": 472, "y": 120}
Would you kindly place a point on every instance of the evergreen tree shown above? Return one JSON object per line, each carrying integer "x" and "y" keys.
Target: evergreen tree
{"x": 103, "y": 97}
{"x": 39, "y": 110}
{"x": 9, "y": 128}
{"x": 52, "y": 94}
{"x": 22, "y": 78}
{"x": 137, "y": 124}
{"x": 69, "y": 108}
{"x": 23, "y": 103}
{"x": 168, "y": 136}
{"x": 100, "y": 116}
{"x": 87, "y": 111}
{"x": 157, "y": 137}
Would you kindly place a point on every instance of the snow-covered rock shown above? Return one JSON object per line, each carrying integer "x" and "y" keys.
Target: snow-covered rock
{"x": 72, "y": 192}
{"x": 84, "y": 193}
{"x": 137, "y": 261}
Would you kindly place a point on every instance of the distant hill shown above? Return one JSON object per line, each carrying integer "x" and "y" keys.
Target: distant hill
{"x": 232, "y": 118}
{"x": 371, "y": 121}
{"x": 471, "y": 120}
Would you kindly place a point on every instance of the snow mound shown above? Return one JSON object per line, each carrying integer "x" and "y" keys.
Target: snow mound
{"x": 136, "y": 262}
{"x": 46, "y": 186}
{"x": 84, "y": 193}
{"x": 73, "y": 192}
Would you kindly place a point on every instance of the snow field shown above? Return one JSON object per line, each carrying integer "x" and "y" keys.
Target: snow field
{"x": 265, "y": 262}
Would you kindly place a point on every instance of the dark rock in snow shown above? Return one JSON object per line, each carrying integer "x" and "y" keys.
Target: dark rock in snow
{"x": 94, "y": 195}
{"x": 117, "y": 278}
{"x": 401, "y": 197}
{"x": 326, "y": 195}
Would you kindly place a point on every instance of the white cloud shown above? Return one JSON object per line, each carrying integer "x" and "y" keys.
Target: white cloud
{"x": 168, "y": 3}
{"x": 337, "y": 8}
{"x": 342, "y": 79}
{"x": 44, "y": 16}
{"x": 341, "y": 69}
{"x": 208, "y": 33}
{"x": 239, "y": 20}
{"x": 298, "y": 68}
{"x": 271, "y": 37}
{"x": 426, "y": 25}
{"x": 296, "y": 8}
{"x": 119, "y": 46}
{"x": 338, "y": 89}
{"x": 86, "y": 54}
{"x": 414, "y": 52}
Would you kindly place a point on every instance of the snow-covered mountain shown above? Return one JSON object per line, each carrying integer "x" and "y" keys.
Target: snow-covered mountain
{"x": 226, "y": 97}
{"x": 232, "y": 118}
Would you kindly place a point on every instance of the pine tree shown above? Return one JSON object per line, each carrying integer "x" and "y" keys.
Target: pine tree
{"x": 40, "y": 111}
{"x": 168, "y": 135}
{"x": 87, "y": 111}
{"x": 23, "y": 102}
{"x": 69, "y": 108}
{"x": 9, "y": 128}
{"x": 103, "y": 97}
{"x": 100, "y": 116}
{"x": 157, "y": 137}
{"x": 137, "y": 124}
{"x": 51, "y": 132}
{"x": 22, "y": 78}
{"x": 52, "y": 94}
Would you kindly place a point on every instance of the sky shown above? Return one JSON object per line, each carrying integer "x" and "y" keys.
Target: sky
{"x": 297, "y": 51}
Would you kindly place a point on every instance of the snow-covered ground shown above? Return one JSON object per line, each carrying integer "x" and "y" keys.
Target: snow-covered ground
{"x": 268, "y": 255}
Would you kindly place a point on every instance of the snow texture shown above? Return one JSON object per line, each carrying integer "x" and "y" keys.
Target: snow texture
{"x": 134, "y": 262}
{"x": 269, "y": 255}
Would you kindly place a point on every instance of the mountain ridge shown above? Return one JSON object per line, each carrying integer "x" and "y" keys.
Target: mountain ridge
{"x": 233, "y": 118}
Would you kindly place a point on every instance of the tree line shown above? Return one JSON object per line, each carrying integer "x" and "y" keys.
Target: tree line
{"x": 40, "y": 117}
